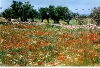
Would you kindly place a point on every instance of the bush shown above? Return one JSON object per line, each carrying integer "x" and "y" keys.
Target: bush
{"x": 96, "y": 15}
{"x": 82, "y": 21}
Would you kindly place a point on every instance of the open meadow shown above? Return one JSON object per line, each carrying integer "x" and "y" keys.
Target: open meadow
{"x": 48, "y": 45}
{"x": 49, "y": 33}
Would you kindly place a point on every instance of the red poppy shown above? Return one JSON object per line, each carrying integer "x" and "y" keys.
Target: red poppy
{"x": 52, "y": 64}
{"x": 14, "y": 53}
{"x": 40, "y": 63}
{"x": 22, "y": 64}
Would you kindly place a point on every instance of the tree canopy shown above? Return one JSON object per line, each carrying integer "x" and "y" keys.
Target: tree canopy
{"x": 24, "y": 11}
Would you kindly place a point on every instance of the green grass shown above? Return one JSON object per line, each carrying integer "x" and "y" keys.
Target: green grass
{"x": 72, "y": 22}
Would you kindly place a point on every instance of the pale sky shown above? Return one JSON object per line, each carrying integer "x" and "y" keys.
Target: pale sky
{"x": 71, "y": 4}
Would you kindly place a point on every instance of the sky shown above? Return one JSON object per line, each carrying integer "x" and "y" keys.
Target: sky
{"x": 81, "y": 5}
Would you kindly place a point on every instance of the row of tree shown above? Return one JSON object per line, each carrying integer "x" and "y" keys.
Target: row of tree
{"x": 24, "y": 11}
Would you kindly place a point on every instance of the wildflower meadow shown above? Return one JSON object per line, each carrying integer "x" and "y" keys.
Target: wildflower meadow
{"x": 47, "y": 45}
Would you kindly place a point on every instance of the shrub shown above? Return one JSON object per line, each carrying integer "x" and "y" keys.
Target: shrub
{"x": 96, "y": 15}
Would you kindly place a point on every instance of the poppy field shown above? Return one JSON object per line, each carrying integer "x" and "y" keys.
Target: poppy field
{"x": 47, "y": 45}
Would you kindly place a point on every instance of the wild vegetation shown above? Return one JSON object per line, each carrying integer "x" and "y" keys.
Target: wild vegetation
{"x": 46, "y": 44}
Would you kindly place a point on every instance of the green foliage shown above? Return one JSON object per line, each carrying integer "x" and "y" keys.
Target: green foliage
{"x": 48, "y": 48}
{"x": 68, "y": 16}
{"x": 57, "y": 13}
{"x": 97, "y": 60}
{"x": 82, "y": 19}
{"x": 17, "y": 8}
{"x": 2, "y": 53}
{"x": 8, "y": 13}
{"x": 98, "y": 50}
{"x": 49, "y": 26}
{"x": 44, "y": 13}
{"x": 0, "y": 15}
{"x": 52, "y": 12}
{"x": 86, "y": 62}
{"x": 20, "y": 10}
{"x": 96, "y": 15}
{"x": 28, "y": 11}
{"x": 25, "y": 11}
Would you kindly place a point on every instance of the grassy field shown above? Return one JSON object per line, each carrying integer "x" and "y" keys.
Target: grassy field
{"x": 47, "y": 45}
{"x": 72, "y": 22}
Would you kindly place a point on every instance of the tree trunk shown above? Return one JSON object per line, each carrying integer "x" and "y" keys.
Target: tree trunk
{"x": 68, "y": 22}
{"x": 54, "y": 20}
{"x": 57, "y": 21}
{"x": 48, "y": 20}
{"x": 42, "y": 19}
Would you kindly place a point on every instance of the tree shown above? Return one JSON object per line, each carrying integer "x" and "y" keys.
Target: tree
{"x": 23, "y": 10}
{"x": 68, "y": 16}
{"x": 96, "y": 15}
{"x": 90, "y": 16}
{"x": 0, "y": 13}
{"x": 51, "y": 11}
{"x": 8, "y": 14}
{"x": 27, "y": 9}
{"x": 17, "y": 8}
{"x": 75, "y": 16}
{"x": 32, "y": 14}
{"x": 60, "y": 13}
{"x": 82, "y": 19}
{"x": 44, "y": 13}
